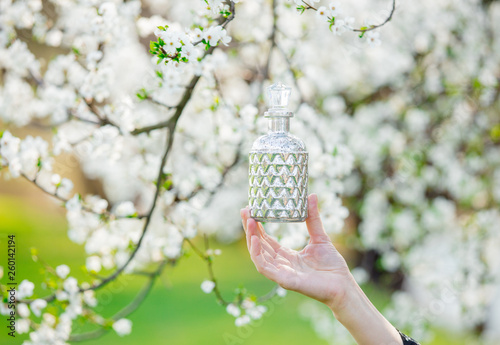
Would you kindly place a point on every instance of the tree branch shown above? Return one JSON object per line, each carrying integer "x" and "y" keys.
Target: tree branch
{"x": 171, "y": 125}
{"x": 189, "y": 89}
{"x": 362, "y": 30}
{"x": 208, "y": 259}
{"x": 373, "y": 27}
{"x": 86, "y": 208}
{"x": 272, "y": 38}
{"x": 130, "y": 308}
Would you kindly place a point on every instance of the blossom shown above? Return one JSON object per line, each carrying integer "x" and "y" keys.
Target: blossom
{"x": 256, "y": 312}
{"x": 215, "y": 34}
{"x": 65, "y": 187}
{"x": 55, "y": 179}
{"x": 62, "y": 271}
{"x": 122, "y": 327}
{"x": 281, "y": 292}
{"x": 372, "y": 37}
{"x": 339, "y": 27}
{"x": 37, "y": 306}
{"x": 71, "y": 285}
{"x": 23, "y": 310}
{"x": 25, "y": 289}
{"x": 189, "y": 51}
{"x": 89, "y": 298}
{"x": 233, "y": 310}
{"x": 197, "y": 34}
{"x": 125, "y": 209}
{"x": 335, "y": 8}
{"x": 322, "y": 13}
{"x": 242, "y": 320}
{"x": 349, "y": 22}
{"x": 93, "y": 263}
{"x": 172, "y": 42}
{"x": 207, "y": 286}
{"x": 22, "y": 326}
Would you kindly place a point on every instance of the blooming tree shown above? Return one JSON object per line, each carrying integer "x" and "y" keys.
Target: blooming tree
{"x": 161, "y": 100}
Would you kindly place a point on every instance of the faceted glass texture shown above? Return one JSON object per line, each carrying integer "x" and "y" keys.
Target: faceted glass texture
{"x": 278, "y": 161}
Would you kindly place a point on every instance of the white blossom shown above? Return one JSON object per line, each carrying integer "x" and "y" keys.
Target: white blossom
{"x": 23, "y": 310}
{"x": 62, "y": 271}
{"x": 71, "y": 285}
{"x": 207, "y": 286}
{"x": 122, "y": 327}
{"x": 25, "y": 289}
{"x": 125, "y": 209}
{"x": 37, "y": 306}
{"x": 372, "y": 37}
{"x": 233, "y": 310}
{"x": 242, "y": 320}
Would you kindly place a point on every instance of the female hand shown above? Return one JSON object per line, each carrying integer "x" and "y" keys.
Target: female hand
{"x": 317, "y": 271}
{"x": 320, "y": 272}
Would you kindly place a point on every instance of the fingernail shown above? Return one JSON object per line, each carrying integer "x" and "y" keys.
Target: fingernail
{"x": 314, "y": 198}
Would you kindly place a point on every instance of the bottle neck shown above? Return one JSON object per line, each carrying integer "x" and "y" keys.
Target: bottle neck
{"x": 279, "y": 124}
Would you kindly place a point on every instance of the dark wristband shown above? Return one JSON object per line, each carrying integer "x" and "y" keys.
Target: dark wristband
{"x": 407, "y": 340}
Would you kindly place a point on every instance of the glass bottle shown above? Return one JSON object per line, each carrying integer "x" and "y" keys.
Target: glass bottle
{"x": 278, "y": 166}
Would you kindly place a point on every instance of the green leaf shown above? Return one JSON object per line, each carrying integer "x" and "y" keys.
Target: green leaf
{"x": 142, "y": 94}
{"x": 332, "y": 22}
{"x": 168, "y": 184}
{"x": 495, "y": 133}
{"x": 301, "y": 9}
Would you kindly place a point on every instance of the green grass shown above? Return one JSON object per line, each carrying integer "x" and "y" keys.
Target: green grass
{"x": 176, "y": 311}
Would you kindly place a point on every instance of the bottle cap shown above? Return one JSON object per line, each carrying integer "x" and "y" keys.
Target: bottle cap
{"x": 278, "y": 95}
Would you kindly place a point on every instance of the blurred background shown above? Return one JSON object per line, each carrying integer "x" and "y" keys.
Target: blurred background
{"x": 176, "y": 309}
{"x": 401, "y": 123}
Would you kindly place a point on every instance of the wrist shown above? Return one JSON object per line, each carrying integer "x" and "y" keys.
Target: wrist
{"x": 348, "y": 300}
{"x": 366, "y": 324}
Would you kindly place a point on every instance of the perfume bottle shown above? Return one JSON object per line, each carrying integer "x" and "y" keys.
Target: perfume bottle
{"x": 278, "y": 166}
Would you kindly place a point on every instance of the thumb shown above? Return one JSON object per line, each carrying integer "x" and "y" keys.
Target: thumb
{"x": 313, "y": 222}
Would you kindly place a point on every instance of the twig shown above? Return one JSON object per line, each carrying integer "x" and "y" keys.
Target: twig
{"x": 268, "y": 295}
{"x": 148, "y": 217}
{"x": 272, "y": 38}
{"x": 171, "y": 125}
{"x": 130, "y": 308}
{"x": 86, "y": 208}
{"x": 362, "y": 30}
{"x": 373, "y": 27}
{"x": 309, "y": 7}
{"x": 211, "y": 273}
{"x": 208, "y": 259}
{"x": 187, "y": 93}
{"x": 168, "y": 107}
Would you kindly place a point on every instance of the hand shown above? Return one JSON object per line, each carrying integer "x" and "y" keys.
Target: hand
{"x": 320, "y": 272}
{"x": 317, "y": 271}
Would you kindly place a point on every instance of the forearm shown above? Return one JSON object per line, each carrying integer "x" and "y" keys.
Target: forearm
{"x": 365, "y": 323}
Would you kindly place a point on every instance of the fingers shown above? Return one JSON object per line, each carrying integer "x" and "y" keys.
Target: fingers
{"x": 270, "y": 244}
{"x": 245, "y": 214}
{"x": 270, "y": 241}
{"x": 263, "y": 265}
{"x": 313, "y": 222}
